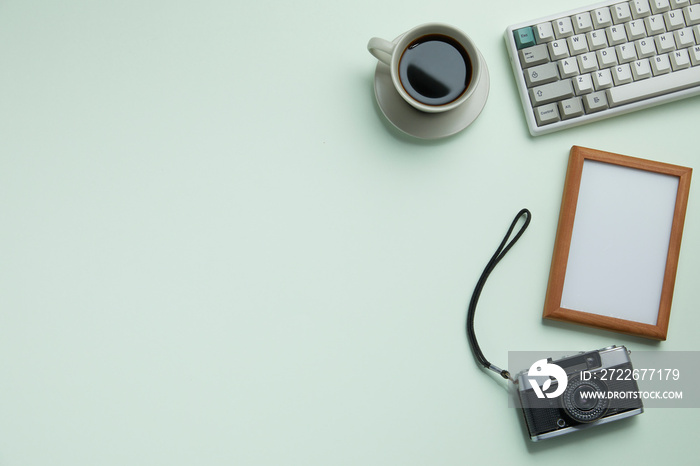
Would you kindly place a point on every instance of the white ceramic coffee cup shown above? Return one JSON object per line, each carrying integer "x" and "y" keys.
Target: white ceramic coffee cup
{"x": 390, "y": 53}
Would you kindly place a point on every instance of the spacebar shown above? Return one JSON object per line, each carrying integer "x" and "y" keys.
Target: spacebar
{"x": 652, "y": 87}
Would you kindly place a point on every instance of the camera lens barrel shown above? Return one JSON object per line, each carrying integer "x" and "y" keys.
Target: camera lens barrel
{"x": 585, "y": 400}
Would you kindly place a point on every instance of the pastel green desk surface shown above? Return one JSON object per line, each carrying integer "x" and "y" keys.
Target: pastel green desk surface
{"x": 214, "y": 250}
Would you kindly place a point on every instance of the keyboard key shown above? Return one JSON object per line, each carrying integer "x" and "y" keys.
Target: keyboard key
{"x": 597, "y": 40}
{"x": 679, "y": 3}
{"x": 553, "y": 92}
{"x": 607, "y": 57}
{"x": 640, "y": 8}
{"x": 577, "y": 44}
{"x": 601, "y": 18}
{"x": 547, "y": 114}
{"x": 695, "y": 55}
{"x": 558, "y": 49}
{"x": 602, "y": 79}
{"x": 587, "y": 62}
{"x": 655, "y": 86}
{"x": 626, "y": 53}
{"x": 692, "y": 15}
{"x": 532, "y": 56}
{"x": 583, "y": 84}
{"x": 665, "y": 43}
{"x": 544, "y": 33}
{"x": 568, "y": 67}
{"x": 680, "y": 60}
{"x": 655, "y": 25}
{"x": 641, "y": 69}
{"x": 645, "y": 48}
{"x": 616, "y": 35}
{"x": 636, "y": 30}
{"x": 563, "y": 28}
{"x": 659, "y": 6}
{"x": 595, "y": 102}
{"x": 660, "y": 64}
{"x": 622, "y": 74}
{"x": 674, "y": 20}
{"x": 684, "y": 38}
{"x": 542, "y": 74}
{"x": 570, "y": 108}
{"x": 524, "y": 37}
{"x": 583, "y": 23}
{"x": 621, "y": 13}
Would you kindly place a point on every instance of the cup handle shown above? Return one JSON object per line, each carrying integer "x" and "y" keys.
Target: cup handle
{"x": 381, "y": 49}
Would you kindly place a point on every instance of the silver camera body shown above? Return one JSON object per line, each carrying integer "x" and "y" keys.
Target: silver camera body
{"x": 578, "y": 392}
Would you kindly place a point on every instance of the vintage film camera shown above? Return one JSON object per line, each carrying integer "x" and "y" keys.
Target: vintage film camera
{"x": 578, "y": 392}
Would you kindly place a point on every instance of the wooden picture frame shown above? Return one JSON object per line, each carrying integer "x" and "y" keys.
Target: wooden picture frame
{"x": 617, "y": 244}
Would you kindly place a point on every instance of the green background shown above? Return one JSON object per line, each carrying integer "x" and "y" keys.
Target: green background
{"x": 214, "y": 250}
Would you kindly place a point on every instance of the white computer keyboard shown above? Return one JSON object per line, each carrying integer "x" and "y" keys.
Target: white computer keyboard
{"x": 604, "y": 60}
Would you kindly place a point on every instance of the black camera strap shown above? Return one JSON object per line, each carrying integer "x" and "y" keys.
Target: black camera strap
{"x": 495, "y": 259}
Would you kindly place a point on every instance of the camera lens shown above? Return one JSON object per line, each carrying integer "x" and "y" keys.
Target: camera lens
{"x": 584, "y": 397}
{"x": 585, "y": 401}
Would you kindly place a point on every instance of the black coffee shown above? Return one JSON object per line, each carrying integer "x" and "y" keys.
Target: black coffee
{"x": 435, "y": 69}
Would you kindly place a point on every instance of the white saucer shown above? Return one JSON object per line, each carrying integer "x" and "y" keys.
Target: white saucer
{"x": 428, "y": 125}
